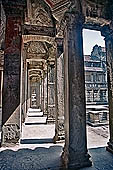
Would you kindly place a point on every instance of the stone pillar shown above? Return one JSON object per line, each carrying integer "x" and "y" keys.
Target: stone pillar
{"x": 75, "y": 151}
{"x": 43, "y": 93}
{"x": 47, "y": 90}
{"x": 60, "y": 84}
{"x": 56, "y": 102}
{"x": 26, "y": 87}
{"x": 59, "y": 91}
{"x": 28, "y": 93}
{"x": 11, "y": 85}
{"x": 21, "y": 90}
{"x": 51, "y": 94}
{"x": 109, "y": 51}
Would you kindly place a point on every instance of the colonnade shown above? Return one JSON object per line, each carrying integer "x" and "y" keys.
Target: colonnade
{"x": 58, "y": 84}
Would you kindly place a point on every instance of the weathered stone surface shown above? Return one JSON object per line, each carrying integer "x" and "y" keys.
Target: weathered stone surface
{"x": 11, "y": 86}
{"x": 75, "y": 152}
{"x": 60, "y": 87}
{"x": 11, "y": 132}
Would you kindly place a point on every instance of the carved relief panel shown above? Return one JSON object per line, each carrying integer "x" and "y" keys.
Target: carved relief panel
{"x": 40, "y": 14}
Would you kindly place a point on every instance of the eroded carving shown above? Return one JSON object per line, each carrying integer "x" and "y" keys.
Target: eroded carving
{"x": 36, "y": 47}
{"x": 11, "y": 132}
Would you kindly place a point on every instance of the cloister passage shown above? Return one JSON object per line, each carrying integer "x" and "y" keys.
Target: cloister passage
{"x": 42, "y": 48}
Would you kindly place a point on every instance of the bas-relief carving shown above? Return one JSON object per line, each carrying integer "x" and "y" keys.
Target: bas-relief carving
{"x": 92, "y": 9}
{"x": 11, "y": 132}
{"x": 40, "y": 16}
{"x": 37, "y": 47}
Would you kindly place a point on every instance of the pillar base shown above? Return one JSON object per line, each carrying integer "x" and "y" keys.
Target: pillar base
{"x": 109, "y": 148}
{"x": 75, "y": 162}
{"x": 50, "y": 120}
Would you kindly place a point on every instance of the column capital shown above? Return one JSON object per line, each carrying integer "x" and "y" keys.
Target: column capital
{"x": 74, "y": 16}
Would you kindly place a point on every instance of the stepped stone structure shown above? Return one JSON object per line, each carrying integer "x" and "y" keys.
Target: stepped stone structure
{"x": 42, "y": 50}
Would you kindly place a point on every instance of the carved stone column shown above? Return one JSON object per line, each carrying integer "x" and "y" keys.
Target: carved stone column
{"x": 41, "y": 96}
{"x": 51, "y": 94}
{"x": 26, "y": 87}
{"x": 75, "y": 152}
{"x": 109, "y": 50}
{"x": 43, "y": 92}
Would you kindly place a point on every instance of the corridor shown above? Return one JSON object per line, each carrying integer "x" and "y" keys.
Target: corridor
{"x": 42, "y": 85}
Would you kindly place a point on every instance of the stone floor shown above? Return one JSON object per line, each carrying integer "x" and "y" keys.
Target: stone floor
{"x": 36, "y": 150}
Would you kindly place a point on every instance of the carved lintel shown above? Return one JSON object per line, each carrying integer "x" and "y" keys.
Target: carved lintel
{"x": 28, "y": 38}
{"x": 39, "y": 30}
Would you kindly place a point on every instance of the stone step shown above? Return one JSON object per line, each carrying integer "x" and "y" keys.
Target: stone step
{"x": 37, "y": 133}
{"x": 34, "y": 114}
{"x": 35, "y": 120}
{"x": 30, "y": 110}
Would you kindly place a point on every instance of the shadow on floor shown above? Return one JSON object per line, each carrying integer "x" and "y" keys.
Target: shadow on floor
{"x": 101, "y": 159}
{"x": 36, "y": 141}
{"x": 50, "y": 159}
{"x": 26, "y": 159}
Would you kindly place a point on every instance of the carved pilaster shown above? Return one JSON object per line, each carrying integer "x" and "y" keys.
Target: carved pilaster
{"x": 59, "y": 91}
{"x": 75, "y": 152}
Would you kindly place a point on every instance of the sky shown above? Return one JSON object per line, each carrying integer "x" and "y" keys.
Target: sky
{"x": 91, "y": 38}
